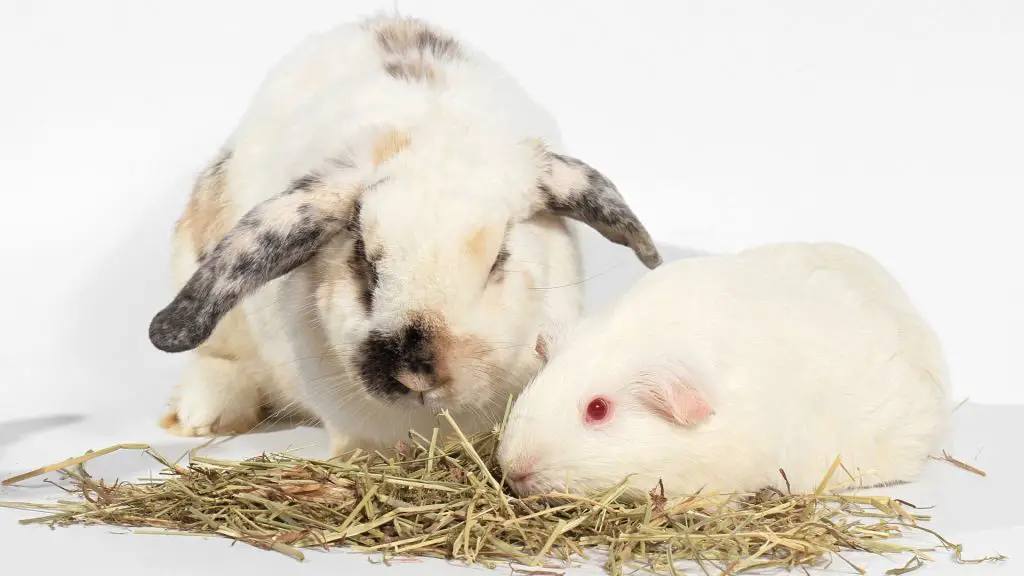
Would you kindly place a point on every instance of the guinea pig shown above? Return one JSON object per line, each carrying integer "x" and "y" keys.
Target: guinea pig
{"x": 387, "y": 233}
{"x": 713, "y": 373}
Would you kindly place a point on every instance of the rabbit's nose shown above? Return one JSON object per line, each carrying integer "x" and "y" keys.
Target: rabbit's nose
{"x": 418, "y": 381}
{"x": 409, "y": 359}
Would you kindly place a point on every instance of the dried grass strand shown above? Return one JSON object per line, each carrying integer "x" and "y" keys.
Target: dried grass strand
{"x": 442, "y": 498}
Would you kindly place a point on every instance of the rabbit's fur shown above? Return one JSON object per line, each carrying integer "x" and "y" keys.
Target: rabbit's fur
{"x": 384, "y": 235}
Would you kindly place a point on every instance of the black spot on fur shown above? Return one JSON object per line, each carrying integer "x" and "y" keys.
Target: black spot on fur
{"x": 383, "y": 355}
{"x": 249, "y": 256}
{"x": 245, "y": 264}
{"x": 442, "y": 47}
{"x": 354, "y": 224}
{"x": 363, "y": 269}
{"x": 303, "y": 184}
{"x": 569, "y": 161}
{"x": 396, "y": 40}
{"x": 416, "y": 349}
{"x": 499, "y": 263}
{"x": 548, "y": 197}
{"x": 342, "y": 162}
{"x": 379, "y": 356}
{"x": 396, "y": 70}
{"x": 600, "y": 206}
{"x": 365, "y": 273}
{"x": 189, "y": 319}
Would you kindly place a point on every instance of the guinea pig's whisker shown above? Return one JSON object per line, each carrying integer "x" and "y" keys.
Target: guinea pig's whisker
{"x": 492, "y": 379}
{"x": 349, "y": 394}
{"x": 487, "y": 379}
{"x": 490, "y": 372}
{"x": 495, "y": 368}
{"x": 337, "y": 377}
{"x": 496, "y": 349}
{"x": 577, "y": 283}
{"x": 296, "y": 360}
{"x": 531, "y": 262}
{"x": 282, "y": 413}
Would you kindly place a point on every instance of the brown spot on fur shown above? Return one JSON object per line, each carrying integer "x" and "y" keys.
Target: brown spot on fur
{"x": 411, "y": 48}
{"x": 330, "y": 273}
{"x": 169, "y": 420}
{"x": 480, "y": 244}
{"x": 232, "y": 339}
{"x": 442, "y": 341}
{"x": 207, "y": 217}
{"x": 388, "y": 144}
{"x": 434, "y": 322}
{"x": 408, "y": 36}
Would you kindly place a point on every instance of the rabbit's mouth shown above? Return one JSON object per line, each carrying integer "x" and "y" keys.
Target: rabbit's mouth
{"x": 437, "y": 398}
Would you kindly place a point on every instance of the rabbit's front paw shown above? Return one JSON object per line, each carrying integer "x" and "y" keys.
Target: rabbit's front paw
{"x": 213, "y": 399}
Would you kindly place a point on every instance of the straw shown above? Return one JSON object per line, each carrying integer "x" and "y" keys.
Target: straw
{"x": 442, "y": 498}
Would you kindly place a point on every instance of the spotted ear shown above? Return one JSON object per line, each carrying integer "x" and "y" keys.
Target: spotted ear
{"x": 674, "y": 396}
{"x": 270, "y": 240}
{"x": 573, "y": 189}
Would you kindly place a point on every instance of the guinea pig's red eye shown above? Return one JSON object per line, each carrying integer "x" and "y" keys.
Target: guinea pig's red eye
{"x": 597, "y": 410}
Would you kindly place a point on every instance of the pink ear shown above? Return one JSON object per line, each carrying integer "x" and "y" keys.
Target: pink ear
{"x": 541, "y": 348}
{"x": 674, "y": 398}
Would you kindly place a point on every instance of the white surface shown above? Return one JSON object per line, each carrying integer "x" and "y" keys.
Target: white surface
{"x": 894, "y": 126}
{"x": 983, "y": 514}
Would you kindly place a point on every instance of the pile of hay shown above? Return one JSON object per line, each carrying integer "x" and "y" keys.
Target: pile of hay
{"x": 446, "y": 499}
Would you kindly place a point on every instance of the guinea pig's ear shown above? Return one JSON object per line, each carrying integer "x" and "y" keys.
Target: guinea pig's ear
{"x": 573, "y": 189}
{"x": 673, "y": 396}
{"x": 551, "y": 340}
{"x": 270, "y": 240}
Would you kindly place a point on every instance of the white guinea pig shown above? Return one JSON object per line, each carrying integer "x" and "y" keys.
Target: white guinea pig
{"x": 715, "y": 372}
{"x": 378, "y": 239}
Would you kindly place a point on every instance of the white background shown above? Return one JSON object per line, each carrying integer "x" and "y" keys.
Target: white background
{"x": 897, "y": 127}
{"x": 894, "y": 126}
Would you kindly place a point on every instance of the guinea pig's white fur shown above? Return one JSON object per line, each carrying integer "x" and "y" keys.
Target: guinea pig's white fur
{"x": 384, "y": 235}
{"x": 720, "y": 370}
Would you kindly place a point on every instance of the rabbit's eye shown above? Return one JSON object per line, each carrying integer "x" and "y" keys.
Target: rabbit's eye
{"x": 365, "y": 270}
{"x": 499, "y": 262}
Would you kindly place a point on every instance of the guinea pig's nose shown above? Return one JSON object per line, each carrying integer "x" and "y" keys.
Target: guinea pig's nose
{"x": 519, "y": 472}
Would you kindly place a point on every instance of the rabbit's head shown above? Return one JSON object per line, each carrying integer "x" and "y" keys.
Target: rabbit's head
{"x": 436, "y": 268}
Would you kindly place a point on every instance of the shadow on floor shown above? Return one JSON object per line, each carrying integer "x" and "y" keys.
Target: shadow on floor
{"x": 986, "y": 436}
{"x": 12, "y": 431}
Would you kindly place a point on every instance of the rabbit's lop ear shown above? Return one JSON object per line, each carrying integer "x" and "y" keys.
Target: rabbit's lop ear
{"x": 272, "y": 239}
{"x": 571, "y": 188}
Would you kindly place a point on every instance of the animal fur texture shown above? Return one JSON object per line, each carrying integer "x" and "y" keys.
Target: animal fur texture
{"x": 385, "y": 234}
{"x": 712, "y": 373}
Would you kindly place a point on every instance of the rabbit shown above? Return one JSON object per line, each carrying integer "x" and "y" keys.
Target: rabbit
{"x": 390, "y": 231}
{"x": 712, "y": 373}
